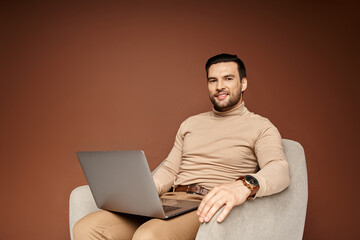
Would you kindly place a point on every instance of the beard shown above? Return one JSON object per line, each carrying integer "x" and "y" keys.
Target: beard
{"x": 224, "y": 105}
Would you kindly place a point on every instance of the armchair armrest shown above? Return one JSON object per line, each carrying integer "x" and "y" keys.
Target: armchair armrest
{"x": 81, "y": 204}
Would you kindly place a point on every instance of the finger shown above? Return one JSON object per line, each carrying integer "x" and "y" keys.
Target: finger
{"x": 208, "y": 203}
{"x": 205, "y": 210}
{"x": 218, "y": 203}
{"x": 213, "y": 205}
{"x": 205, "y": 201}
{"x": 225, "y": 212}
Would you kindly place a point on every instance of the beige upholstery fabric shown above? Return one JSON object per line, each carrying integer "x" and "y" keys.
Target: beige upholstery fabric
{"x": 280, "y": 216}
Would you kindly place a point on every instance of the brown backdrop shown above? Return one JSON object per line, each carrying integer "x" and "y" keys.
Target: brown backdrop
{"x": 107, "y": 75}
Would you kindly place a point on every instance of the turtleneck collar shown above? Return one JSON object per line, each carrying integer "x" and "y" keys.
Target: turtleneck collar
{"x": 236, "y": 111}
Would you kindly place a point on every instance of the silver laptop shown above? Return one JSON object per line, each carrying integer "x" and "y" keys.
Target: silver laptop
{"x": 121, "y": 181}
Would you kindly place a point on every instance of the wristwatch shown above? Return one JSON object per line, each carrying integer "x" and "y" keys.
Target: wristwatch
{"x": 250, "y": 182}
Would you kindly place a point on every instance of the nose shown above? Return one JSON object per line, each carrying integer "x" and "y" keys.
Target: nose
{"x": 220, "y": 85}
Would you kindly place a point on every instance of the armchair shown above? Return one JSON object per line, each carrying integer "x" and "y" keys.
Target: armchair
{"x": 280, "y": 216}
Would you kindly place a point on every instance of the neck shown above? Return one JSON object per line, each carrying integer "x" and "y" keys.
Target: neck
{"x": 236, "y": 110}
{"x": 229, "y": 108}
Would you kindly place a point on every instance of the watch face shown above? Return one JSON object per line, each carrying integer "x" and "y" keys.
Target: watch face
{"x": 251, "y": 180}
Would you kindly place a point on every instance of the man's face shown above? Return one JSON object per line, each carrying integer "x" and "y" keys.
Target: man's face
{"x": 224, "y": 85}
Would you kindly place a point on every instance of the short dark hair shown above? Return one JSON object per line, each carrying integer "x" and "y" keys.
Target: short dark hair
{"x": 224, "y": 57}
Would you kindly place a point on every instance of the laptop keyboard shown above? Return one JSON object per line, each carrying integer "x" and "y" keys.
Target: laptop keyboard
{"x": 168, "y": 208}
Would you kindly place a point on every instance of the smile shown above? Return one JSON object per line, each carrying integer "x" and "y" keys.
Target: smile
{"x": 221, "y": 96}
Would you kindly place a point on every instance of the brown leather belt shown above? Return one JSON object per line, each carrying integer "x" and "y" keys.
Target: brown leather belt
{"x": 194, "y": 189}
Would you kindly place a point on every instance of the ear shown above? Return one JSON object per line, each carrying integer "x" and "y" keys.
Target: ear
{"x": 243, "y": 84}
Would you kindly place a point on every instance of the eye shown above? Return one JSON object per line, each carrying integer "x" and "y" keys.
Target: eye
{"x": 229, "y": 79}
{"x": 212, "y": 80}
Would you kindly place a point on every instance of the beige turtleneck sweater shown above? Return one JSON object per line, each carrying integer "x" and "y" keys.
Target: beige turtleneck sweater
{"x": 217, "y": 147}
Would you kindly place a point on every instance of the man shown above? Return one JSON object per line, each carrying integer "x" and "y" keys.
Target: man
{"x": 215, "y": 159}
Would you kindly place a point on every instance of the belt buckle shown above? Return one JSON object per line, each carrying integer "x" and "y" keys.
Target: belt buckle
{"x": 187, "y": 189}
{"x": 193, "y": 192}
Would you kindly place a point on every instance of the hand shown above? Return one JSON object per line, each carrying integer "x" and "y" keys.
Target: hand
{"x": 228, "y": 194}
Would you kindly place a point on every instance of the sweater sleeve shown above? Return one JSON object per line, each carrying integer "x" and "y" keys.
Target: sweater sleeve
{"x": 165, "y": 176}
{"x": 273, "y": 175}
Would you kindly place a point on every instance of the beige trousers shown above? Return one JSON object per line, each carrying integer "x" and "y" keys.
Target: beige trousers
{"x": 118, "y": 226}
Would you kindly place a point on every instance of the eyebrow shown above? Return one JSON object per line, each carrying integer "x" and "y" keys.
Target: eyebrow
{"x": 226, "y": 76}
{"x": 229, "y": 75}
